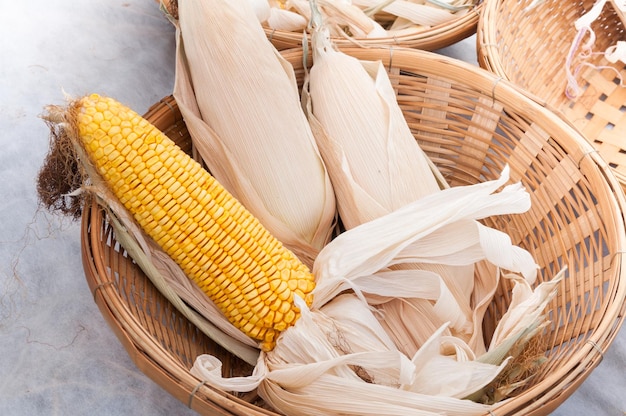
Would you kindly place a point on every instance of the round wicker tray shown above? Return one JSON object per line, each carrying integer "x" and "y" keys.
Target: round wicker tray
{"x": 471, "y": 123}
{"x": 429, "y": 39}
{"x": 530, "y": 49}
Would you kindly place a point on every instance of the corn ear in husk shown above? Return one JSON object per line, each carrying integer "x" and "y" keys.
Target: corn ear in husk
{"x": 376, "y": 166}
{"x": 373, "y": 160}
{"x": 241, "y": 104}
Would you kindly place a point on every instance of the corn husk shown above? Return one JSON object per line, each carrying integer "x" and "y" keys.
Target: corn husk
{"x": 339, "y": 347}
{"x": 240, "y": 102}
{"x": 420, "y": 233}
{"x": 372, "y": 157}
{"x": 343, "y": 18}
{"x": 261, "y": 9}
{"x": 281, "y": 19}
{"x": 526, "y": 307}
{"x": 346, "y": 18}
{"x": 374, "y": 164}
{"x": 419, "y": 13}
{"x": 305, "y": 374}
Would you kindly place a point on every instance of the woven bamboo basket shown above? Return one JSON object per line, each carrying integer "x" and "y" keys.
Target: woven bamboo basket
{"x": 429, "y": 39}
{"x": 531, "y": 49}
{"x": 471, "y": 123}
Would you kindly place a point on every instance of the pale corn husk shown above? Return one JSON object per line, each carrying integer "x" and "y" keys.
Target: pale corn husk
{"x": 346, "y": 18}
{"x": 527, "y": 305}
{"x": 281, "y": 19}
{"x": 360, "y": 18}
{"x": 306, "y": 375}
{"x": 415, "y": 12}
{"x": 369, "y": 150}
{"x": 301, "y": 7}
{"x": 343, "y": 18}
{"x": 261, "y": 9}
{"x": 519, "y": 334}
{"x": 420, "y": 233}
{"x": 240, "y": 102}
{"x": 337, "y": 356}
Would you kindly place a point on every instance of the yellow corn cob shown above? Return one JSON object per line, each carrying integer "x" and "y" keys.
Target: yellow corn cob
{"x": 247, "y": 272}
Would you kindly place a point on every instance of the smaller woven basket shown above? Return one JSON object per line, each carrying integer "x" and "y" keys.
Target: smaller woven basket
{"x": 530, "y": 48}
{"x": 472, "y": 124}
{"x": 428, "y": 39}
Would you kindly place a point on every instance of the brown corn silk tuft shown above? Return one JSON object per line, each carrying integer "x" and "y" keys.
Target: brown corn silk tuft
{"x": 60, "y": 175}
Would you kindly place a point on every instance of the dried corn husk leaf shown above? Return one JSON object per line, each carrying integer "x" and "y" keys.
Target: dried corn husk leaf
{"x": 248, "y": 125}
{"x": 373, "y": 160}
{"x": 526, "y": 307}
{"x": 301, "y": 7}
{"x": 515, "y": 335}
{"x": 401, "y": 237}
{"x": 345, "y": 18}
{"x": 450, "y": 375}
{"x": 305, "y": 372}
{"x": 281, "y": 19}
{"x": 359, "y": 18}
{"x": 415, "y": 12}
{"x": 261, "y": 9}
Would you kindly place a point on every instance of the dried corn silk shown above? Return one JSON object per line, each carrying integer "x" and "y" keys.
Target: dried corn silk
{"x": 241, "y": 104}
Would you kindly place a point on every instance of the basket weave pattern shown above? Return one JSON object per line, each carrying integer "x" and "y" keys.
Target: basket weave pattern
{"x": 530, "y": 49}
{"x": 471, "y": 124}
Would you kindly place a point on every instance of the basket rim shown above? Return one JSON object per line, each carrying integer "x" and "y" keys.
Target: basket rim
{"x": 553, "y": 390}
{"x": 435, "y": 37}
